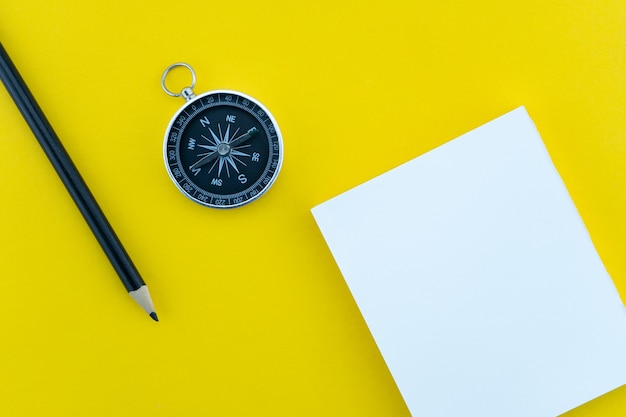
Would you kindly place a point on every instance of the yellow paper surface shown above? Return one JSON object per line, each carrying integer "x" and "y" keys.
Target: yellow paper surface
{"x": 255, "y": 316}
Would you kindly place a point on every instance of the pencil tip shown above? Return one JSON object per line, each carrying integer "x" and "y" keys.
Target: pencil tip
{"x": 142, "y": 296}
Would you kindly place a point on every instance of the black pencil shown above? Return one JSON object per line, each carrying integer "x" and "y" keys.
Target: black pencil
{"x": 74, "y": 183}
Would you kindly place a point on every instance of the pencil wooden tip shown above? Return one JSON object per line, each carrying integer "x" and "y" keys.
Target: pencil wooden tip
{"x": 142, "y": 296}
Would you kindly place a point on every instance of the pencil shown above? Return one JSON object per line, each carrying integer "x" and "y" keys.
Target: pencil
{"x": 74, "y": 183}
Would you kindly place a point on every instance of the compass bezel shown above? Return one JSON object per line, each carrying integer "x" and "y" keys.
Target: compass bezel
{"x": 175, "y": 134}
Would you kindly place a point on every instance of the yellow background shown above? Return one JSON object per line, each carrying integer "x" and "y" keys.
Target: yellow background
{"x": 256, "y": 319}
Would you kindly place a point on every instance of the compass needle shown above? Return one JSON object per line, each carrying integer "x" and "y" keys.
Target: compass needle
{"x": 243, "y": 138}
{"x": 203, "y": 161}
{"x": 216, "y": 172}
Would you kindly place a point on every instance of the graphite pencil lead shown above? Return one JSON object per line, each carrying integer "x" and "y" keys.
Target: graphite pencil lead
{"x": 154, "y": 316}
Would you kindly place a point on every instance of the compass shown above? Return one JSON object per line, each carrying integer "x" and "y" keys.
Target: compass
{"x": 222, "y": 148}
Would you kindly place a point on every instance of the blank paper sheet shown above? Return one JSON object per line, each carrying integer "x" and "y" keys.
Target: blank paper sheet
{"x": 478, "y": 279}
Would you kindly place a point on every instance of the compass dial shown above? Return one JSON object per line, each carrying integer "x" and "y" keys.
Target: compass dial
{"x": 223, "y": 149}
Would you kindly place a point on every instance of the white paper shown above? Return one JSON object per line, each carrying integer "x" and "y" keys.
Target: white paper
{"x": 478, "y": 279}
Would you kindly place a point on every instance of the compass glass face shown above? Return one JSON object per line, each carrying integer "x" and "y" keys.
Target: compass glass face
{"x": 223, "y": 149}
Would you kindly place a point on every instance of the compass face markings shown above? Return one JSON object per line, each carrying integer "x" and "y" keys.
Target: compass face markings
{"x": 235, "y": 134}
{"x": 214, "y": 164}
{"x": 216, "y": 140}
{"x": 234, "y": 155}
{"x": 231, "y": 161}
{"x": 219, "y": 128}
{"x": 226, "y": 135}
{"x": 222, "y": 164}
{"x": 226, "y": 152}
